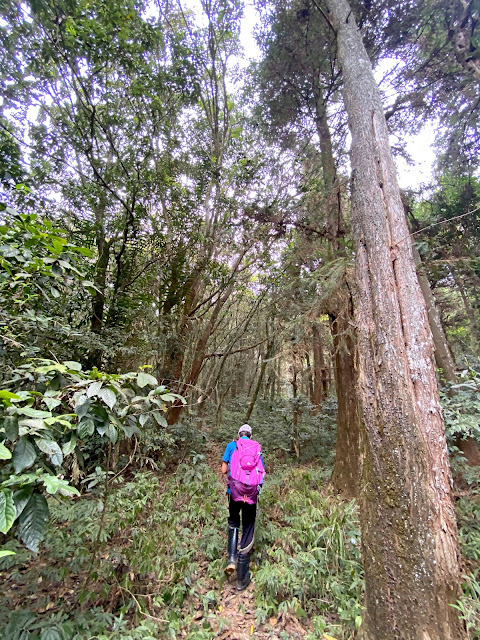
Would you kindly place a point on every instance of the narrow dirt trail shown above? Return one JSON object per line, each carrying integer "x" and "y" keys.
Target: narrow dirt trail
{"x": 234, "y": 617}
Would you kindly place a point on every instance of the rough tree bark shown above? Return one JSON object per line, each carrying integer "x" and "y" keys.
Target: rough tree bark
{"x": 409, "y": 536}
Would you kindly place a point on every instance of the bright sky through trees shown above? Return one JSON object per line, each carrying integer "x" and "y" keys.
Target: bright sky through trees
{"x": 419, "y": 147}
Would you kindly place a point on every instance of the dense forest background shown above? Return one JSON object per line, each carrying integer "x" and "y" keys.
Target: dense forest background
{"x": 179, "y": 254}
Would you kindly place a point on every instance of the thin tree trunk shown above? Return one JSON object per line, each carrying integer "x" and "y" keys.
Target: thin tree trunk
{"x": 220, "y": 406}
{"x": 443, "y": 354}
{"x": 309, "y": 380}
{"x": 329, "y": 170}
{"x": 295, "y": 447}
{"x": 100, "y": 279}
{"x": 318, "y": 369}
{"x": 346, "y": 472}
{"x": 263, "y": 366}
{"x": 278, "y": 377}
{"x": 347, "y": 468}
{"x": 409, "y": 537}
{"x": 474, "y": 338}
{"x": 254, "y": 374}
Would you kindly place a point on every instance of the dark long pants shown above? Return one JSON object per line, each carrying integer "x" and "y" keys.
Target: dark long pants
{"x": 249, "y": 513}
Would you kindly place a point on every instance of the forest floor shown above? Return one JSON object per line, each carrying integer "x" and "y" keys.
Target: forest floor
{"x": 235, "y": 618}
{"x": 152, "y": 566}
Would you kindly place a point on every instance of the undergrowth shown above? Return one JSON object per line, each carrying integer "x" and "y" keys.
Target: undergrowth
{"x": 468, "y": 517}
{"x": 310, "y": 557}
{"x": 147, "y": 562}
{"x": 152, "y": 566}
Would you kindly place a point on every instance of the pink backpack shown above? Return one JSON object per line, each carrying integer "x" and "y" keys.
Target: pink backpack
{"x": 246, "y": 471}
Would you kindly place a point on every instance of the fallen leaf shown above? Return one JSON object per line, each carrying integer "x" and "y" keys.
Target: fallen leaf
{"x": 327, "y": 637}
{"x": 273, "y": 621}
{"x": 252, "y": 629}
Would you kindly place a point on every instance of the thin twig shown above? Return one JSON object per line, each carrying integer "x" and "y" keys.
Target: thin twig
{"x": 435, "y": 224}
{"x": 144, "y": 613}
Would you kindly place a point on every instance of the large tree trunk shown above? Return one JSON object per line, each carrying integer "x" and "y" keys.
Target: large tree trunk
{"x": 409, "y": 536}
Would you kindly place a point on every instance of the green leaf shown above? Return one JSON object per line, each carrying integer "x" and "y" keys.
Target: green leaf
{"x": 32, "y": 521}
{"x": 69, "y": 446}
{"x": 54, "y": 485}
{"x": 51, "y": 402}
{"x": 161, "y": 389}
{"x": 54, "y": 366}
{"x": 33, "y": 413}
{"x": 8, "y": 512}
{"x": 160, "y": 418}
{"x": 51, "y": 634}
{"x": 144, "y": 379}
{"x": 21, "y": 497}
{"x": 6, "y": 552}
{"x": 24, "y": 455}
{"x": 52, "y": 449}
{"x": 99, "y": 413}
{"x": 108, "y": 396}
{"x": 129, "y": 430}
{"x": 170, "y": 397}
{"x": 86, "y": 427}
{"x": 90, "y": 287}
{"x": 10, "y": 424}
{"x": 71, "y": 364}
{"x": 19, "y": 624}
{"x": 57, "y": 270}
{"x": 34, "y": 424}
{"x": 84, "y": 251}
{"x": 8, "y": 395}
{"x": 5, "y": 454}
{"x": 94, "y": 388}
{"x": 81, "y": 409}
{"x": 112, "y": 433}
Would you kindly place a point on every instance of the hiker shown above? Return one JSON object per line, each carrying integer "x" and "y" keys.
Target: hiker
{"x": 244, "y": 462}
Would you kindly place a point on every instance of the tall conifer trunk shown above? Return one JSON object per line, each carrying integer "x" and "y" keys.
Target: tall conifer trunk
{"x": 409, "y": 537}
{"x": 345, "y": 478}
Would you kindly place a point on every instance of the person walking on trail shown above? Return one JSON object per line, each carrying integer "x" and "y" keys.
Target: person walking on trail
{"x": 244, "y": 463}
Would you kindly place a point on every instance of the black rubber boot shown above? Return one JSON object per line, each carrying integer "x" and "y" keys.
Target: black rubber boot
{"x": 243, "y": 573}
{"x": 232, "y": 550}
